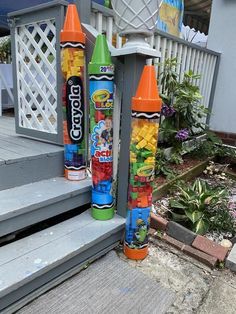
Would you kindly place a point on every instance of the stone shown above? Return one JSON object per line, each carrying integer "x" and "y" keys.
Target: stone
{"x": 226, "y": 243}
{"x": 207, "y": 246}
{"x": 233, "y": 240}
{"x": 231, "y": 259}
{"x": 180, "y": 233}
{"x": 175, "y": 243}
{"x": 200, "y": 256}
{"x": 158, "y": 222}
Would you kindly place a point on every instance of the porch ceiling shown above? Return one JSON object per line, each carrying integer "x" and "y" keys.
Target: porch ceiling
{"x": 197, "y": 14}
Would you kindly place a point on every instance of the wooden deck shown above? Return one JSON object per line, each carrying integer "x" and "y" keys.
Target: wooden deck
{"x": 32, "y": 186}
{"x": 23, "y": 160}
{"x": 14, "y": 147}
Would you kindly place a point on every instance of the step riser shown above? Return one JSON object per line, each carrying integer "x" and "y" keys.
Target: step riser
{"x": 65, "y": 270}
{"x": 31, "y": 170}
{"x": 19, "y": 222}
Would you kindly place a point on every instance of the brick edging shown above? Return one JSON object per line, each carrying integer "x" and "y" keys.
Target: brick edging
{"x": 199, "y": 247}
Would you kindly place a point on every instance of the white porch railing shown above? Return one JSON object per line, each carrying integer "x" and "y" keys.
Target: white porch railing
{"x": 189, "y": 56}
{"x": 37, "y": 73}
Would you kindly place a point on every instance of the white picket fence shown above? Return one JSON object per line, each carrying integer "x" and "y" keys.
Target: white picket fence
{"x": 189, "y": 56}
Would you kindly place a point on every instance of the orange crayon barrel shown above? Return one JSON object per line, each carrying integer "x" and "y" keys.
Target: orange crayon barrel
{"x": 146, "y": 107}
{"x": 73, "y": 100}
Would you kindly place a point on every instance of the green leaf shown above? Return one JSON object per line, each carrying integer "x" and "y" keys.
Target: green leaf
{"x": 176, "y": 204}
{"x": 193, "y": 216}
{"x": 201, "y": 226}
{"x": 179, "y": 217}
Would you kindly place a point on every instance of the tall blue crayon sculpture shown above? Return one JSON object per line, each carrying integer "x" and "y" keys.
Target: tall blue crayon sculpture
{"x": 101, "y": 89}
{"x": 72, "y": 64}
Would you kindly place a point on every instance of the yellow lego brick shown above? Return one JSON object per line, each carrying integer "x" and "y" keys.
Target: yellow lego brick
{"x": 138, "y": 139}
{"x": 150, "y": 147}
{"x": 78, "y": 53}
{"x": 78, "y": 62}
{"x": 153, "y": 141}
{"x": 141, "y": 144}
{"x": 148, "y": 137}
{"x": 150, "y": 160}
{"x": 133, "y": 159}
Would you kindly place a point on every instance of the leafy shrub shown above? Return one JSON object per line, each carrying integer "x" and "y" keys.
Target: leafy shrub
{"x": 181, "y": 112}
{"x": 201, "y": 207}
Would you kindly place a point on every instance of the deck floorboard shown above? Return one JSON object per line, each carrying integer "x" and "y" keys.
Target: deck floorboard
{"x": 14, "y": 147}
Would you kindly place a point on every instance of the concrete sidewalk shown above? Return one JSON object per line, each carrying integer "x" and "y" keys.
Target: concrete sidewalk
{"x": 198, "y": 288}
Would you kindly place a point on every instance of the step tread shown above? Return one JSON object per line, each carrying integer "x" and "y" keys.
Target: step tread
{"x": 25, "y": 198}
{"x": 34, "y": 255}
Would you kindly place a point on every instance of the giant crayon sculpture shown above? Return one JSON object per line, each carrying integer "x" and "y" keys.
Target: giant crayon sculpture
{"x": 146, "y": 106}
{"x": 101, "y": 86}
{"x": 72, "y": 64}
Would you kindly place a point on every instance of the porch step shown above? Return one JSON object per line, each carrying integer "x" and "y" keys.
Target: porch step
{"x": 24, "y": 160}
{"x": 31, "y": 203}
{"x": 48, "y": 257}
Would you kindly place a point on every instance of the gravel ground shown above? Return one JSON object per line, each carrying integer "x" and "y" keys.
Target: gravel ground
{"x": 198, "y": 288}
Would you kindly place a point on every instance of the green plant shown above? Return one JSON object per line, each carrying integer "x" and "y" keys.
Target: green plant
{"x": 189, "y": 111}
{"x": 181, "y": 109}
{"x": 222, "y": 219}
{"x": 176, "y": 158}
{"x": 213, "y": 147}
{"x": 162, "y": 166}
{"x": 5, "y": 50}
{"x": 195, "y": 205}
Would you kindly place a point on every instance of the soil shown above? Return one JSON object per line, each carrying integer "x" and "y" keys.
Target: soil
{"x": 188, "y": 163}
{"x": 161, "y": 206}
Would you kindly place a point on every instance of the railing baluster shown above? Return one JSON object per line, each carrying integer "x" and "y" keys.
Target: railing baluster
{"x": 109, "y": 29}
{"x": 211, "y": 71}
{"x": 118, "y": 41}
{"x": 189, "y": 53}
{"x": 99, "y": 18}
{"x": 169, "y": 49}
{"x": 203, "y": 73}
{"x": 163, "y": 57}
{"x": 179, "y": 59}
{"x": 185, "y": 48}
{"x": 192, "y": 59}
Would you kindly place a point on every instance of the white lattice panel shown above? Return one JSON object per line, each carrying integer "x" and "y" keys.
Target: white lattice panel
{"x": 36, "y": 76}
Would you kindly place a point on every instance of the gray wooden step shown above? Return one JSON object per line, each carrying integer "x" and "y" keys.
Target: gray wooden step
{"x": 31, "y": 203}
{"x": 32, "y": 265}
{"x": 24, "y": 160}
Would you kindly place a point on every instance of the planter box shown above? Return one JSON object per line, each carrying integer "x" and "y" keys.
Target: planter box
{"x": 187, "y": 145}
{"x": 188, "y": 175}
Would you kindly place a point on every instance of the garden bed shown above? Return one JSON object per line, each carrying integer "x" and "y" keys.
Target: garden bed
{"x": 187, "y": 170}
{"x": 211, "y": 247}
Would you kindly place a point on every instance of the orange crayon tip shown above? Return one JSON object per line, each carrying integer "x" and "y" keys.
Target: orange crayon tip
{"x": 72, "y": 30}
{"x": 147, "y": 98}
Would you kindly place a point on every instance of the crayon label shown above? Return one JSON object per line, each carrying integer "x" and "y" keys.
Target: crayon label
{"x": 107, "y": 69}
{"x": 137, "y": 226}
{"x": 102, "y": 139}
{"x": 75, "y": 109}
{"x": 101, "y": 94}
